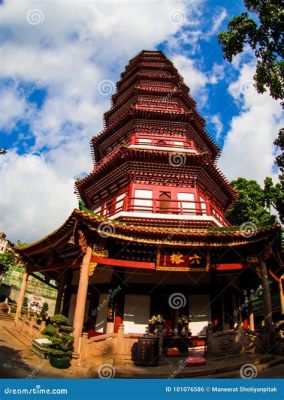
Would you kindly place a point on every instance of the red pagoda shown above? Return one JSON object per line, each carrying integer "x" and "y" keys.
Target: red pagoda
{"x": 151, "y": 237}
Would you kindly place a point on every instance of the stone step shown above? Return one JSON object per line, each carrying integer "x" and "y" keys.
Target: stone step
{"x": 231, "y": 370}
{"x": 22, "y": 337}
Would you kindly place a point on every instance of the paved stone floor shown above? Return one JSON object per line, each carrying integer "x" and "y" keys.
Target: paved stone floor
{"x": 18, "y": 361}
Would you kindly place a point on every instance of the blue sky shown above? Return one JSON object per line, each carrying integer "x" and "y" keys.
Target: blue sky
{"x": 59, "y": 63}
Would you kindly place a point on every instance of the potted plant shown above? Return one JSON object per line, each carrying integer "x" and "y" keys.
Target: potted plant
{"x": 154, "y": 323}
{"x": 183, "y": 322}
{"x": 59, "y": 333}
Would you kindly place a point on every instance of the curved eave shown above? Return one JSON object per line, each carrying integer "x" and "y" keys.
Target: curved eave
{"x": 132, "y": 113}
{"x": 231, "y": 236}
{"x": 127, "y": 153}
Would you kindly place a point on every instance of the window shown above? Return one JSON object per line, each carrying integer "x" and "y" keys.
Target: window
{"x": 187, "y": 203}
{"x": 119, "y": 202}
{"x": 144, "y": 141}
{"x": 143, "y": 200}
{"x": 178, "y": 144}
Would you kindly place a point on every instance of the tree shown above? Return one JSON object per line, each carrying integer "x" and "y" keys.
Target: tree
{"x": 251, "y": 206}
{"x": 263, "y": 32}
{"x": 274, "y": 196}
{"x": 6, "y": 261}
{"x": 20, "y": 243}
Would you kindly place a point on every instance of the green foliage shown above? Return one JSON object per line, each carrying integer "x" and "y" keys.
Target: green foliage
{"x": 274, "y": 195}
{"x": 252, "y": 203}
{"x": 262, "y": 30}
{"x": 60, "y": 320}
{"x": 6, "y": 261}
{"x": 21, "y": 244}
{"x": 43, "y": 311}
{"x": 62, "y": 343}
{"x": 49, "y": 330}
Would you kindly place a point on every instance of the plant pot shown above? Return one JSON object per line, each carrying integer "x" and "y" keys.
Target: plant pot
{"x": 59, "y": 362}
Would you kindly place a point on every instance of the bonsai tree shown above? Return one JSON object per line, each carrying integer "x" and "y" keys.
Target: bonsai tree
{"x": 43, "y": 313}
{"x": 59, "y": 333}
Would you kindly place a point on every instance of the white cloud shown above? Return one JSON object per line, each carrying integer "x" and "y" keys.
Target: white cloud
{"x": 73, "y": 47}
{"x": 13, "y": 106}
{"x": 217, "y": 22}
{"x": 216, "y": 120}
{"x": 34, "y": 198}
{"x": 248, "y": 149}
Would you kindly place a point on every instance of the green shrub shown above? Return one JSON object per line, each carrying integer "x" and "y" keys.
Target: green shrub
{"x": 60, "y": 320}
{"x": 57, "y": 332}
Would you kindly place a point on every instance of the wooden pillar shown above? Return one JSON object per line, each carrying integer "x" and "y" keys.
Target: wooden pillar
{"x": 251, "y": 320}
{"x": 21, "y": 297}
{"x": 81, "y": 299}
{"x": 266, "y": 301}
{"x": 60, "y": 291}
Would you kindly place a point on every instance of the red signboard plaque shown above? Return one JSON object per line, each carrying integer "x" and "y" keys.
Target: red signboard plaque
{"x": 180, "y": 260}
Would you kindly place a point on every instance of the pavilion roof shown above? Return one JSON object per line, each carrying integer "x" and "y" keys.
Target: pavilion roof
{"x": 169, "y": 236}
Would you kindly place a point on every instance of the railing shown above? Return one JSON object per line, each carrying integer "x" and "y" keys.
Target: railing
{"x": 139, "y": 204}
{"x": 156, "y": 143}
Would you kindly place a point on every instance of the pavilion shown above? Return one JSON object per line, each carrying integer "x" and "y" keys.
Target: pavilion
{"x": 151, "y": 227}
